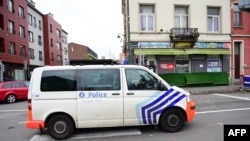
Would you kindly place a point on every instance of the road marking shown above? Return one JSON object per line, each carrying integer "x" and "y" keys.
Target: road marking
{"x": 22, "y": 110}
{"x": 111, "y": 133}
{"x": 219, "y": 111}
{"x": 230, "y": 96}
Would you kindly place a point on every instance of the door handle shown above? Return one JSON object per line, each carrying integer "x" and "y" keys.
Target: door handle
{"x": 130, "y": 93}
{"x": 115, "y": 93}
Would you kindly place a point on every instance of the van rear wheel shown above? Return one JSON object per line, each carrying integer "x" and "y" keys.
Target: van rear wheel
{"x": 172, "y": 120}
{"x": 60, "y": 127}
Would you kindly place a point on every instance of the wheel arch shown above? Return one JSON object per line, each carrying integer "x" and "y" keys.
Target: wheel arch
{"x": 59, "y": 113}
{"x": 177, "y": 108}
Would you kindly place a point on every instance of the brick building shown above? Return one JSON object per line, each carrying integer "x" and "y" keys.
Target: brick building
{"x": 14, "y": 39}
{"x": 240, "y": 36}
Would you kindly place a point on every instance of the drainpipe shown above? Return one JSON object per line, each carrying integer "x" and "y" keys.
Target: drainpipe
{"x": 130, "y": 51}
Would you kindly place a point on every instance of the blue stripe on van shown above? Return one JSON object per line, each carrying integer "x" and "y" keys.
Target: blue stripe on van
{"x": 161, "y": 110}
{"x": 154, "y": 107}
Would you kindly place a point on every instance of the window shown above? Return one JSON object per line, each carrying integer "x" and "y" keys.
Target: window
{"x": 59, "y": 59}
{"x": 58, "y": 80}
{"x": 99, "y": 79}
{"x": 11, "y": 27}
{"x": 11, "y": 6}
{"x": 40, "y": 55}
{"x": 64, "y": 40}
{"x": 181, "y": 17}
{"x": 18, "y": 85}
{"x": 12, "y": 48}
{"x": 65, "y": 51}
{"x": 31, "y": 39}
{"x": 30, "y": 19}
{"x": 213, "y": 19}
{"x": 52, "y": 57}
{"x": 21, "y": 12}
{"x": 22, "y": 51}
{"x": 51, "y": 28}
{"x": 140, "y": 80}
{"x": 147, "y": 18}
{"x": 39, "y": 40}
{"x": 31, "y": 53}
{"x": 58, "y": 46}
{"x": 21, "y": 31}
{"x": 40, "y": 25}
{"x": 1, "y": 3}
{"x": 34, "y": 21}
{"x": 58, "y": 33}
{"x": 51, "y": 42}
{"x": 237, "y": 15}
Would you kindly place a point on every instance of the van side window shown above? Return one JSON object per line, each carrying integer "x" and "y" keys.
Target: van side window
{"x": 98, "y": 79}
{"x": 140, "y": 80}
{"x": 58, "y": 80}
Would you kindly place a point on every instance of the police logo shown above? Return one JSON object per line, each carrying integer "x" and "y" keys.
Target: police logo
{"x": 81, "y": 94}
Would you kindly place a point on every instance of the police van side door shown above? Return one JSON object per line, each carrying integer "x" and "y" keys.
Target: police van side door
{"x": 99, "y": 97}
{"x": 140, "y": 89}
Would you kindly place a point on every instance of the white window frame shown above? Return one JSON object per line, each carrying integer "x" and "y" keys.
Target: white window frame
{"x": 12, "y": 48}
{"x": 21, "y": 12}
{"x": 212, "y": 19}
{"x": 10, "y": 5}
{"x": 181, "y": 19}
{"x": 11, "y": 27}
{"x": 31, "y": 39}
{"x": 145, "y": 18}
{"x": 236, "y": 15}
{"x": 21, "y": 30}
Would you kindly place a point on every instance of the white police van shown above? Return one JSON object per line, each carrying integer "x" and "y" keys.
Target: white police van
{"x": 64, "y": 98}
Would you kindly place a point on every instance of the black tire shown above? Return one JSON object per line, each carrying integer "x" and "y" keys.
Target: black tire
{"x": 10, "y": 98}
{"x": 60, "y": 127}
{"x": 172, "y": 120}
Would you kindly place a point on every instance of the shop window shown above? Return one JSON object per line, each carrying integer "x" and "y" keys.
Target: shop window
{"x": 181, "y": 66}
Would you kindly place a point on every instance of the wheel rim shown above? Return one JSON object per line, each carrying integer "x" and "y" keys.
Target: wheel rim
{"x": 173, "y": 120}
{"x": 11, "y": 98}
{"x": 60, "y": 127}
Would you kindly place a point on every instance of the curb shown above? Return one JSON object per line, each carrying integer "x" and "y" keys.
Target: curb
{"x": 219, "y": 91}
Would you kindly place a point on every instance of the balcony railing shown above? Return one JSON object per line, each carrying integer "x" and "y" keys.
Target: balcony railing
{"x": 184, "y": 34}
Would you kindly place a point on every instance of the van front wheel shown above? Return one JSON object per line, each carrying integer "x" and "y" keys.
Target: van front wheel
{"x": 172, "y": 120}
{"x": 60, "y": 127}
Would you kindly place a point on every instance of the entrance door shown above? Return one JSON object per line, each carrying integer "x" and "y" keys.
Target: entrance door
{"x": 237, "y": 60}
{"x": 199, "y": 65}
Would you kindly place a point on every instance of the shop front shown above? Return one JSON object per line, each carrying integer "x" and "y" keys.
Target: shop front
{"x": 203, "y": 57}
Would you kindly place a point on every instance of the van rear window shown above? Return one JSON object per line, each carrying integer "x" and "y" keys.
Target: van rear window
{"x": 58, "y": 80}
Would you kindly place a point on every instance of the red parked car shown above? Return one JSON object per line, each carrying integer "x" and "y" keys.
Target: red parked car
{"x": 11, "y": 91}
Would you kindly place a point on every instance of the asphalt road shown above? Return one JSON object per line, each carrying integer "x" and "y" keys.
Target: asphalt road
{"x": 213, "y": 112}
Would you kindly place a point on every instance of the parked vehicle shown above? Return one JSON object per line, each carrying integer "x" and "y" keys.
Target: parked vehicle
{"x": 11, "y": 91}
{"x": 63, "y": 98}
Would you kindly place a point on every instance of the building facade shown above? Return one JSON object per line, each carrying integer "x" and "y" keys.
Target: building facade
{"x": 178, "y": 36}
{"x": 80, "y": 52}
{"x": 35, "y": 36}
{"x": 65, "y": 47}
{"x": 53, "y": 40}
{"x": 28, "y": 39}
{"x": 240, "y": 36}
{"x": 14, "y": 46}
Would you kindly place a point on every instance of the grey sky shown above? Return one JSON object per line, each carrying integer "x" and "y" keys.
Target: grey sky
{"x": 94, "y": 23}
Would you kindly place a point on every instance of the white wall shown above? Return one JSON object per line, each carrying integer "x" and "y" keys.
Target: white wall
{"x": 36, "y": 31}
{"x": 164, "y": 11}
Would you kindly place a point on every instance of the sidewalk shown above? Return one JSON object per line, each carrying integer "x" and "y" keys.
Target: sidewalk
{"x": 234, "y": 86}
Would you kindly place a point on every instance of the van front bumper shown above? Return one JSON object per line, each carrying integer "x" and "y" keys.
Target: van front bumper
{"x": 190, "y": 110}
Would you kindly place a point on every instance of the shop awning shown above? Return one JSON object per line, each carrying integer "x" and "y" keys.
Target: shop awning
{"x": 183, "y": 51}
